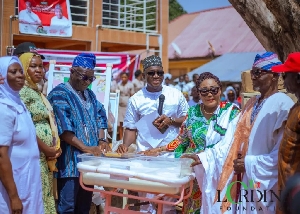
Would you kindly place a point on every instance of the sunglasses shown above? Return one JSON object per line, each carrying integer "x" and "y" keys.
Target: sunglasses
{"x": 152, "y": 73}
{"x": 257, "y": 73}
{"x": 205, "y": 91}
{"x": 84, "y": 77}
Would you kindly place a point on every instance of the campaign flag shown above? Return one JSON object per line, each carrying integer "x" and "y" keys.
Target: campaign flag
{"x": 45, "y": 17}
{"x": 122, "y": 62}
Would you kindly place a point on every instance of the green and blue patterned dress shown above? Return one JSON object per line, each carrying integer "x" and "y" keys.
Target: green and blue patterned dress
{"x": 195, "y": 135}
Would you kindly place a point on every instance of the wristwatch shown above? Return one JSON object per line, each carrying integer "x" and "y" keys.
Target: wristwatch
{"x": 172, "y": 120}
{"x": 102, "y": 140}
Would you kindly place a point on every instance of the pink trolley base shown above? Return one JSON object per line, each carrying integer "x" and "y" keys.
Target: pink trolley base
{"x": 157, "y": 200}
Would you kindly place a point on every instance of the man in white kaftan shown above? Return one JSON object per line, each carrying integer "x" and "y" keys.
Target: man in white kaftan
{"x": 257, "y": 138}
{"x": 144, "y": 103}
{"x": 59, "y": 21}
{"x": 28, "y": 20}
{"x": 28, "y": 17}
{"x": 142, "y": 111}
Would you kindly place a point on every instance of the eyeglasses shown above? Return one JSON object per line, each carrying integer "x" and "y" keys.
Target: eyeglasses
{"x": 152, "y": 73}
{"x": 257, "y": 73}
{"x": 84, "y": 77}
{"x": 205, "y": 91}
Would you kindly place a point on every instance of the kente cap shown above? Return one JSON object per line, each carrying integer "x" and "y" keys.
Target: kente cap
{"x": 292, "y": 64}
{"x": 266, "y": 61}
{"x": 85, "y": 60}
{"x": 151, "y": 61}
{"x": 26, "y": 47}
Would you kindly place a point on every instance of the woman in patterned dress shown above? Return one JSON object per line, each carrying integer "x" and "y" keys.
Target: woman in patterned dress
{"x": 205, "y": 125}
{"x": 41, "y": 113}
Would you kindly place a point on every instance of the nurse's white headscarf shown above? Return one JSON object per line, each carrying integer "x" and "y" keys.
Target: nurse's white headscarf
{"x": 228, "y": 89}
{"x": 7, "y": 94}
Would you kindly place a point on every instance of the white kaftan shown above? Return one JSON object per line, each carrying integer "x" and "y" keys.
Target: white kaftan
{"x": 58, "y": 23}
{"x": 260, "y": 162}
{"x": 28, "y": 21}
{"x": 182, "y": 86}
{"x": 170, "y": 85}
{"x": 29, "y": 17}
{"x": 18, "y": 133}
{"x": 144, "y": 102}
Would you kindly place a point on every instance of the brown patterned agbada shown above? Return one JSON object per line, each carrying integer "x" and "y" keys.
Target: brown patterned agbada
{"x": 289, "y": 150}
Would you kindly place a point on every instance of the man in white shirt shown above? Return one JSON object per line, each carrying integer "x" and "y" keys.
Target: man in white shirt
{"x": 59, "y": 20}
{"x": 167, "y": 80}
{"x": 181, "y": 86}
{"x": 193, "y": 83}
{"x": 195, "y": 97}
{"x": 28, "y": 17}
{"x": 144, "y": 103}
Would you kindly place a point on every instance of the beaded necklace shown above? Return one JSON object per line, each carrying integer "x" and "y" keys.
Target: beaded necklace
{"x": 256, "y": 108}
{"x": 85, "y": 102}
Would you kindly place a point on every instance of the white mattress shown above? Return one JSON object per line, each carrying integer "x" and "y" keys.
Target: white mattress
{"x": 135, "y": 184}
{"x": 138, "y": 175}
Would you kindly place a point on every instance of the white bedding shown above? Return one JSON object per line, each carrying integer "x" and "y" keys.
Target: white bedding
{"x": 139, "y": 175}
{"x": 134, "y": 184}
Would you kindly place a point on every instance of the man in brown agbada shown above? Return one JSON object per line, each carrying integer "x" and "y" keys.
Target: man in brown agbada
{"x": 289, "y": 150}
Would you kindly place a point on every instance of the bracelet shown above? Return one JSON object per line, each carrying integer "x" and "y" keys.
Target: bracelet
{"x": 102, "y": 140}
{"x": 161, "y": 149}
{"x": 172, "y": 120}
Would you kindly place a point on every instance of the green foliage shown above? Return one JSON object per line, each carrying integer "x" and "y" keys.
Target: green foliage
{"x": 175, "y": 9}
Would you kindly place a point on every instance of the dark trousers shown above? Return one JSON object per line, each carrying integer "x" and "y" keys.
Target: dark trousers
{"x": 72, "y": 199}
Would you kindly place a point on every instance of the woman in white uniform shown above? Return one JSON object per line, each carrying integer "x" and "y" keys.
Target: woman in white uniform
{"x": 126, "y": 91}
{"x": 138, "y": 82}
{"x": 20, "y": 177}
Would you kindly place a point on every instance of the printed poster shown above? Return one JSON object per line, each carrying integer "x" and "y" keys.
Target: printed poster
{"x": 98, "y": 86}
{"x": 45, "y": 17}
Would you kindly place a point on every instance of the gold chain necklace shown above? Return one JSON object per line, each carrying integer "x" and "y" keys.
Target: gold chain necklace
{"x": 202, "y": 107}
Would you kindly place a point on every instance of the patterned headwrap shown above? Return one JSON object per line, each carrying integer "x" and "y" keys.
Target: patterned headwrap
{"x": 85, "y": 60}
{"x": 151, "y": 61}
{"x": 266, "y": 61}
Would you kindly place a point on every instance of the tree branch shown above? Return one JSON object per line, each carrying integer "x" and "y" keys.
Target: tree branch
{"x": 275, "y": 23}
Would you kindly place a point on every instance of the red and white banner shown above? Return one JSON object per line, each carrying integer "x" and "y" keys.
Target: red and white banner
{"x": 45, "y": 17}
{"x": 121, "y": 62}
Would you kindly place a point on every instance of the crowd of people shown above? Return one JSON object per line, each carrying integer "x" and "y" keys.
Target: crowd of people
{"x": 70, "y": 116}
{"x": 229, "y": 145}
{"x": 253, "y": 147}
{"x": 188, "y": 88}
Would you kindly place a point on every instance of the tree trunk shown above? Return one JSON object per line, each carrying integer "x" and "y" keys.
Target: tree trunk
{"x": 275, "y": 23}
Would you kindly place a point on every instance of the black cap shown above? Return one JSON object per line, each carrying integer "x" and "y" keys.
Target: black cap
{"x": 26, "y": 47}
